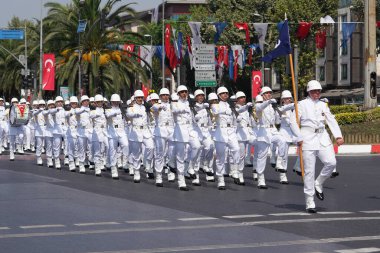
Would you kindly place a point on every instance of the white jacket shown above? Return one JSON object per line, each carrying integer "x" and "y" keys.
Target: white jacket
{"x": 164, "y": 120}
{"x": 115, "y": 122}
{"x": 139, "y": 127}
{"x": 225, "y": 128}
{"x": 183, "y": 119}
{"x": 267, "y": 120}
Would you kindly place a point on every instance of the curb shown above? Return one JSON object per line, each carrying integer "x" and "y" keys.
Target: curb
{"x": 348, "y": 149}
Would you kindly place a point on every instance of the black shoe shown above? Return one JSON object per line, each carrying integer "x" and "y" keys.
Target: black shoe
{"x": 40, "y": 164}
{"x": 173, "y": 170}
{"x": 126, "y": 170}
{"x": 159, "y": 184}
{"x": 221, "y": 188}
{"x": 82, "y": 172}
{"x": 136, "y": 181}
{"x": 299, "y": 173}
{"x": 120, "y": 168}
{"x": 249, "y": 165}
{"x": 210, "y": 173}
{"x": 196, "y": 184}
{"x": 319, "y": 195}
{"x": 273, "y": 165}
{"x": 284, "y": 182}
{"x": 184, "y": 188}
{"x": 281, "y": 170}
{"x": 311, "y": 210}
{"x": 59, "y": 168}
{"x": 334, "y": 174}
{"x": 108, "y": 168}
{"x": 236, "y": 181}
{"x": 150, "y": 175}
{"x": 226, "y": 175}
{"x": 193, "y": 176}
{"x": 115, "y": 178}
{"x": 211, "y": 180}
{"x": 98, "y": 175}
{"x": 187, "y": 177}
{"x": 241, "y": 183}
{"x": 264, "y": 187}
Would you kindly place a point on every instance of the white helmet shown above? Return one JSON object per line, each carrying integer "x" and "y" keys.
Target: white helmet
{"x": 199, "y": 92}
{"x": 1, "y": 99}
{"x": 313, "y": 85}
{"x": 50, "y": 102}
{"x": 67, "y": 102}
{"x": 164, "y": 91}
{"x": 14, "y": 100}
{"x": 265, "y": 89}
{"x": 105, "y": 99}
{"x": 239, "y": 94}
{"x": 27, "y": 103}
{"x": 23, "y": 101}
{"x": 129, "y": 102}
{"x": 92, "y": 99}
{"x": 221, "y": 90}
{"x": 147, "y": 98}
{"x": 84, "y": 98}
{"x": 73, "y": 99}
{"x": 191, "y": 96}
{"x": 212, "y": 96}
{"x": 174, "y": 97}
{"x": 154, "y": 96}
{"x": 259, "y": 98}
{"x": 6, "y": 103}
{"x": 138, "y": 93}
{"x": 35, "y": 102}
{"x": 41, "y": 102}
{"x": 286, "y": 94}
{"x": 98, "y": 98}
{"x": 181, "y": 88}
{"x": 58, "y": 99}
{"x": 115, "y": 98}
{"x": 233, "y": 97}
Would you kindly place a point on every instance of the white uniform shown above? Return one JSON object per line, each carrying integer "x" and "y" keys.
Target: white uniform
{"x": 225, "y": 137}
{"x": 85, "y": 129}
{"x": 59, "y": 132}
{"x": 48, "y": 134}
{"x": 117, "y": 135}
{"x": 316, "y": 142}
{"x": 72, "y": 137}
{"x": 39, "y": 125}
{"x": 100, "y": 139}
{"x": 140, "y": 135}
{"x": 3, "y": 126}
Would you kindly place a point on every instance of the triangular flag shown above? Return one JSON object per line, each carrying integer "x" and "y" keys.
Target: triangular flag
{"x": 283, "y": 46}
{"x": 219, "y": 26}
{"x": 303, "y": 30}
{"x": 195, "y": 28}
{"x": 261, "y": 31}
{"x": 244, "y": 26}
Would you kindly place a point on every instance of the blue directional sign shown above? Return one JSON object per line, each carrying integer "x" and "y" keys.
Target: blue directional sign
{"x": 82, "y": 26}
{"x": 11, "y": 34}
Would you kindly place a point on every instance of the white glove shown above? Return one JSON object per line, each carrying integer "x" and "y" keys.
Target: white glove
{"x": 206, "y": 105}
{"x": 228, "y": 111}
{"x": 273, "y": 101}
{"x": 87, "y": 109}
{"x": 249, "y": 104}
{"x": 118, "y": 112}
{"x": 162, "y": 107}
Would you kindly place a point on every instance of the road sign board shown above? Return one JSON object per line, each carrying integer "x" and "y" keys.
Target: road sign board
{"x": 205, "y": 75}
{"x": 203, "y": 49}
{"x": 205, "y": 83}
{"x": 11, "y": 34}
{"x": 204, "y": 67}
{"x": 82, "y": 26}
{"x": 200, "y": 59}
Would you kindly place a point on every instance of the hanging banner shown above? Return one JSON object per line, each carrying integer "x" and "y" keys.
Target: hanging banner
{"x": 48, "y": 72}
{"x": 256, "y": 83}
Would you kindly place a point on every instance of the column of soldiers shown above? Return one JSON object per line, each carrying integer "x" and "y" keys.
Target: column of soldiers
{"x": 177, "y": 136}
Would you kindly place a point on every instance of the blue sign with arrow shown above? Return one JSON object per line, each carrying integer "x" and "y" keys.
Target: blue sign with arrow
{"x": 82, "y": 26}
{"x": 11, "y": 34}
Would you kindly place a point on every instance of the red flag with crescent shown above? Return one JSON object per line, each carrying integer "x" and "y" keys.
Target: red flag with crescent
{"x": 48, "y": 72}
{"x": 129, "y": 48}
{"x": 256, "y": 83}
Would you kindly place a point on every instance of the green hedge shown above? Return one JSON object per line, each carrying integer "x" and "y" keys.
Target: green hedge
{"x": 335, "y": 109}
{"x": 357, "y": 117}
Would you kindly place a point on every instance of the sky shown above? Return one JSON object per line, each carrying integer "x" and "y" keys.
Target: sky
{"x": 32, "y": 8}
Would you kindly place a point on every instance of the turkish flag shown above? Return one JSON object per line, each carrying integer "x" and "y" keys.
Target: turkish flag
{"x": 129, "y": 48}
{"x": 167, "y": 40}
{"x": 244, "y": 26}
{"x": 145, "y": 90}
{"x": 48, "y": 72}
{"x": 256, "y": 83}
{"x": 303, "y": 29}
{"x": 320, "y": 39}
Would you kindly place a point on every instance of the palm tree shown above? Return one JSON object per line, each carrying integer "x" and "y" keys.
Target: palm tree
{"x": 109, "y": 68}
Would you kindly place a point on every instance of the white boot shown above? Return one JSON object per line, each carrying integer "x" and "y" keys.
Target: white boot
{"x": 171, "y": 176}
{"x": 196, "y": 181}
{"x": 72, "y": 166}
{"x": 159, "y": 179}
{"x": 39, "y": 161}
{"x": 280, "y": 165}
{"x": 254, "y": 175}
{"x": 50, "y": 163}
{"x": 210, "y": 178}
{"x": 221, "y": 184}
{"x": 131, "y": 171}
{"x": 66, "y": 161}
{"x": 136, "y": 176}
{"x": 98, "y": 170}
{"x": 57, "y": 164}
{"x": 234, "y": 173}
{"x": 261, "y": 181}
{"x": 182, "y": 183}
{"x": 283, "y": 178}
{"x": 11, "y": 156}
{"x": 241, "y": 178}
{"x": 114, "y": 173}
{"x": 20, "y": 149}
{"x": 82, "y": 169}
{"x": 76, "y": 162}
{"x": 310, "y": 204}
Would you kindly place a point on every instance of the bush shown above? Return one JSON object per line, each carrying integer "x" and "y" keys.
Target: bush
{"x": 357, "y": 117}
{"x": 335, "y": 109}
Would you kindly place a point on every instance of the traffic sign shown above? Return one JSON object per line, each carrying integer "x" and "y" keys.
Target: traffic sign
{"x": 204, "y": 49}
{"x": 205, "y": 83}
{"x": 204, "y": 67}
{"x": 11, "y": 34}
{"x": 205, "y": 75}
{"x": 204, "y": 59}
{"x": 82, "y": 26}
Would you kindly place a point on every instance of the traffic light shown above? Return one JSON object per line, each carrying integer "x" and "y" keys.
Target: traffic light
{"x": 373, "y": 88}
{"x": 29, "y": 80}
{"x": 24, "y": 82}
{"x": 85, "y": 80}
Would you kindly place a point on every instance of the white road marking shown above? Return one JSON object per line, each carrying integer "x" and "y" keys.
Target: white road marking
{"x": 332, "y": 213}
{"x": 194, "y": 227}
{"x": 97, "y": 224}
{"x": 243, "y": 216}
{"x": 371, "y": 212}
{"x": 145, "y": 221}
{"x": 43, "y": 226}
{"x": 248, "y": 245}
{"x": 361, "y": 250}
{"x": 4, "y": 228}
{"x": 289, "y": 214}
{"x": 198, "y": 219}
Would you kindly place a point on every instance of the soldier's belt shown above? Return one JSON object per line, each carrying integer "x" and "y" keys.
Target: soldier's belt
{"x": 203, "y": 125}
{"x": 165, "y": 124}
{"x": 244, "y": 125}
{"x": 267, "y": 126}
{"x": 138, "y": 127}
{"x": 225, "y": 125}
{"x": 314, "y": 130}
{"x": 184, "y": 123}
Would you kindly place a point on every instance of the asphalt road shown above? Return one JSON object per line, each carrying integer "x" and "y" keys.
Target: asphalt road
{"x": 45, "y": 210}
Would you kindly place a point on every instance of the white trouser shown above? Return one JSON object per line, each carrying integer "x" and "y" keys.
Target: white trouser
{"x": 233, "y": 147}
{"x": 2, "y": 133}
{"x": 207, "y": 154}
{"x": 243, "y": 145}
{"x": 160, "y": 152}
{"x": 16, "y": 136}
{"x": 136, "y": 153}
{"x": 57, "y": 144}
{"x": 39, "y": 145}
{"x": 189, "y": 150}
{"x": 27, "y": 137}
{"x": 263, "y": 149}
{"x": 327, "y": 157}
{"x": 72, "y": 144}
{"x": 84, "y": 148}
{"x": 49, "y": 146}
{"x": 99, "y": 148}
{"x": 113, "y": 146}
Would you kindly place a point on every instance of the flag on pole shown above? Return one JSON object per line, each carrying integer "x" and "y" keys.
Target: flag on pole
{"x": 244, "y": 26}
{"x": 347, "y": 30}
{"x": 261, "y": 31}
{"x": 231, "y": 64}
{"x": 283, "y": 46}
{"x": 219, "y": 26}
{"x": 129, "y": 48}
{"x": 320, "y": 39}
{"x": 303, "y": 30}
{"x": 48, "y": 72}
{"x": 195, "y": 28}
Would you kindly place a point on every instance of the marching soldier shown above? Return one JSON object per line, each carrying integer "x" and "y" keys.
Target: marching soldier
{"x": 48, "y": 134}
{"x": 59, "y": 130}
{"x": 225, "y": 136}
{"x": 313, "y": 114}
{"x": 39, "y": 120}
{"x": 3, "y": 124}
{"x": 72, "y": 132}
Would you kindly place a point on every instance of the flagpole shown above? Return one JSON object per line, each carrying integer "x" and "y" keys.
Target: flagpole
{"x": 296, "y": 110}
{"x": 41, "y": 51}
{"x": 163, "y": 44}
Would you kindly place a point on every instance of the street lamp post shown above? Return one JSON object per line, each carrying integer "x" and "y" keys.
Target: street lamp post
{"x": 163, "y": 44}
{"x": 262, "y": 51}
{"x": 81, "y": 3}
{"x": 151, "y": 48}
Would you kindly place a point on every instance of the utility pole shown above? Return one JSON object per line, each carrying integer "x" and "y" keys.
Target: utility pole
{"x": 163, "y": 44}
{"x": 370, "y": 94}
